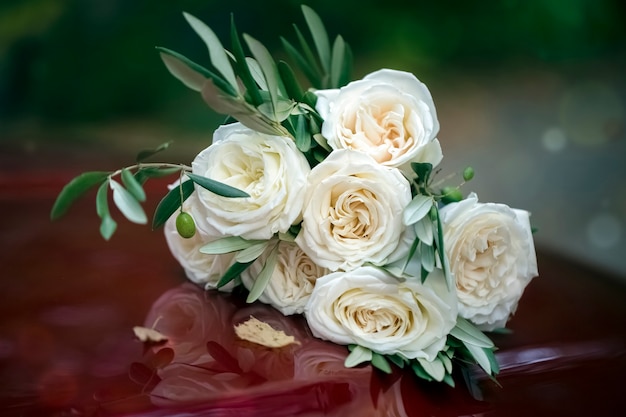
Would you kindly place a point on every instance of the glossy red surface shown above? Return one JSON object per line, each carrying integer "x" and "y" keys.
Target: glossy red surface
{"x": 70, "y": 300}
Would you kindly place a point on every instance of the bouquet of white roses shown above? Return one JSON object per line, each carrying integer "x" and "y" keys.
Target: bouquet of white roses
{"x": 321, "y": 201}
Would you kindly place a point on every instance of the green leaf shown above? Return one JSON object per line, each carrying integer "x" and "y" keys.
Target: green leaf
{"x": 423, "y": 171}
{"x": 127, "y": 204}
{"x": 270, "y": 73}
{"x": 412, "y": 251}
{"x": 218, "y": 80}
{"x": 292, "y": 86}
{"x": 424, "y": 230}
{"x": 217, "y": 187}
{"x": 171, "y": 202}
{"x": 302, "y": 136}
{"x": 445, "y": 360}
{"x": 337, "y": 64}
{"x": 417, "y": 209}
{"x": 445, "y": 266}
{"x": 108, "y": 225}
{"x": 227, "y": 245}
{"x": 467, "y": 333}
{"x": 218, "y": 56}
{"x": 358, "y": 355}
{"x": 320, "y": 37}
{"x": 183, "y": 72}
{"x": 479, "y": 356}
{"x": 379, "y": 362}
{"x": 145, "y": 154}
{"x": 242, "y": 66}
{"x": 447, "y": 379}
{"x": 132, "y": 185}
{"x": 233, "y": 272}
{"x": 142, "y": 174}
{"x": 435, "y": 368}
{"x": 257, "y": 75}
{"x": 396, "y": 360}
{"x": 420, "y": 372}
{"x": 427, "y": 257}
{"x": 309, "y": 70}
{"x": 252, "y": 252}
{"x": 263, "y": 279}
{"x": 75, "y": 189}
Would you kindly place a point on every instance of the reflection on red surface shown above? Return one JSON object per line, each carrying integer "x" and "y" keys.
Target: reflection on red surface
{"x": 204, "y": 366}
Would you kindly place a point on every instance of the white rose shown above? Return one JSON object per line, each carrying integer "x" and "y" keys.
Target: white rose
{"x": 389, "y": 115}
{"x": 492, "y": 255}
{"x": 292, "y": 281}
{"x": 368, "y": 307}
{"x": 353, "y": 212}
{"x": 269, "y": 168}
{"x": 199, "y": 267}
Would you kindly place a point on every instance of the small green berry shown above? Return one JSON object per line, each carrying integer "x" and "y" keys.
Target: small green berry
{"x": 468, "y": 173}
{"x": 451, "y": 195}
{"x": 185, "y": 225}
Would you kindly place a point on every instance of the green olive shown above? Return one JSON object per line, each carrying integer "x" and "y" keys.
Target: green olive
{"x": 185, "y": 225}
{"x": 451, "y": 195}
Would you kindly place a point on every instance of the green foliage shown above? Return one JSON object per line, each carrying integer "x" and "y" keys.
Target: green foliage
{"x": 172, "y": 201}
{"x": 75, "y": 189}
{"x": 217, "y": 187}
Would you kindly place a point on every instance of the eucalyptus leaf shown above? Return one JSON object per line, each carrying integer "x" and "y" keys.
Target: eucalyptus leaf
{"x": 217, "y": 187}
{"x": 227, "y": 245}
{"x": 75, "y": 189}
{"x": 218, "y": 56}
{"x": 279, "y": 113}
{"x": 379, "y": 362}
{"x": 233, "y": 272}
{"x": 263, "y": 279}
{"x": 320, "y": 37}
{"x": 107, "y": 225}
{"x": 417, "y": 209}
{"x": 171, "y": 202}
{"x": 411, "y": 254}
{"x": 251, "y": 252}
{"x": 358, "y": 355}
{"x": 433, "y": 368}
{"x": 127, "y": 204}
{"x": 132, "y": 185}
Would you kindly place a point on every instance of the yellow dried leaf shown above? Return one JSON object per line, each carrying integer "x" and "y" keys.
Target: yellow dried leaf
{"x": 146, "y": 334}
{"x": 261, "y": 333}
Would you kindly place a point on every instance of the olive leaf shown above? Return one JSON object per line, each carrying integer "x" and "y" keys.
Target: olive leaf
{"x": 75, "y": 189}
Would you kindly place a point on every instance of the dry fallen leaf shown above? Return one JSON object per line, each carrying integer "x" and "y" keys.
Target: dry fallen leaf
{"x": 261, "y": 333}
{"x": 146, "y": 334}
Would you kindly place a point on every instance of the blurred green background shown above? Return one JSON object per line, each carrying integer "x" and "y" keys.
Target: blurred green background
{"x": 76, "y": 61}
{"x": 531, "y": 93}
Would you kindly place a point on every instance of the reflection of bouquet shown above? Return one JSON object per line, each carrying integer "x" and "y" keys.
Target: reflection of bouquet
{"x": 322, "y": 202}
